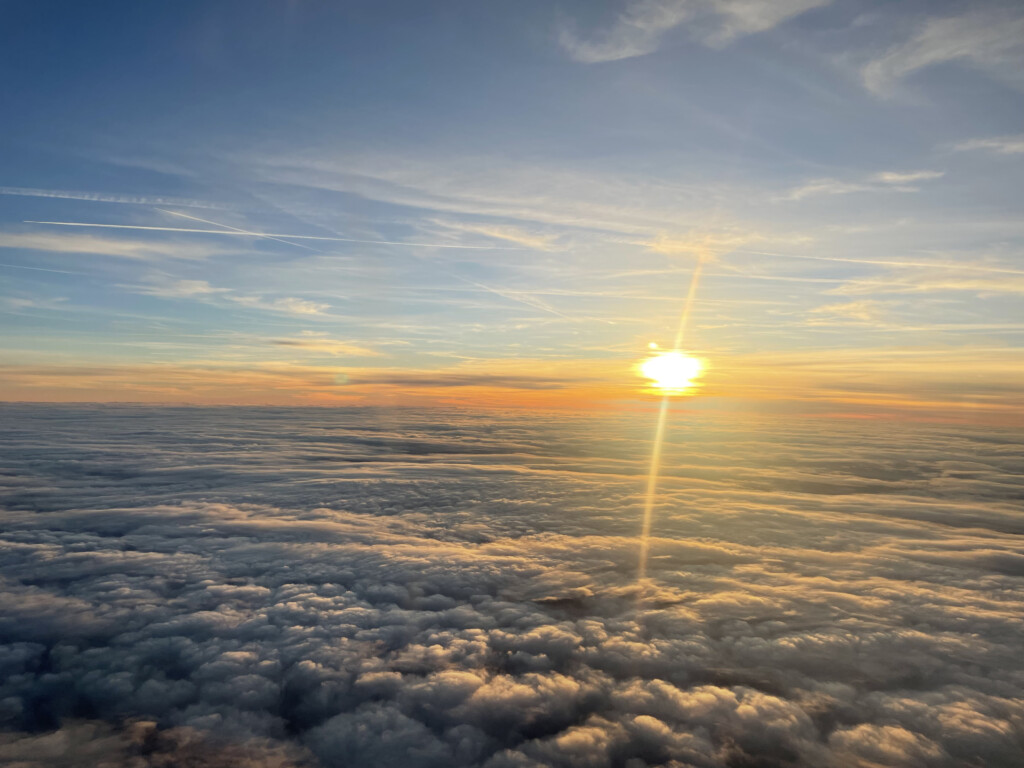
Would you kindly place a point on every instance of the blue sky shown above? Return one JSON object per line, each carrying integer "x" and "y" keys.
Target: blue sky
{"x": 518, "y": 195}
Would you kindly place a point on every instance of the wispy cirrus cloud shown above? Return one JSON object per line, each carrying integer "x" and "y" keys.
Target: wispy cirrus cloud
{"x": 1001, "y": 145}
{"x": 518, "y": 235}
{"x": 639, "y": 29}
{"x": 444, "y": 380}
{"x": 703, "y": 245}
{"x": 883, "y": 181}
{"x": 906, "y": 177}
{"x": 991, "y": 40}
{"x": 178, "y": 289}
{"x": 864, "y": 311}
{"x": 236, "y": 232}
{"x": 172, "y": 288}
{"x": 287, "y": 304}
{"x": 314, "y": 342}
{"x": 143, "y": 250}
{"x": 106, "y": 197}
{"x": 936, "y": 280}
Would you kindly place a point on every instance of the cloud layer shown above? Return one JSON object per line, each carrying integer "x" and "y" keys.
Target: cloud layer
{"x": 285, "y": 587}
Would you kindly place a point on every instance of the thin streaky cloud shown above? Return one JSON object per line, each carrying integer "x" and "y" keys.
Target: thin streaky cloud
{"x": 989, "y": 40}
{"x": 100, "y": 197}
{"x": 270, "y": 235}
{"x": 42, "y": 269}
{"x": 1003, "y": 145}
{"x": 906, "y": 177}
{"x": 639, "y": 29}
{"x": 143, "y": 250}
{"x": 886, "y": 263}
{"x": 883, "y": 181}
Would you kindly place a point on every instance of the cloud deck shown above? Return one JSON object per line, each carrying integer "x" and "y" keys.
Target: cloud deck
{"x": 282, "y": 587}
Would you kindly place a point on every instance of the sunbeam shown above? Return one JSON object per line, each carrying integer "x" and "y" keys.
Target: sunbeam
{"x": 659, "y": 432}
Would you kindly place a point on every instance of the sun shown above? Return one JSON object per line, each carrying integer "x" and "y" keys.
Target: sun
{"x": 671, "y": 371}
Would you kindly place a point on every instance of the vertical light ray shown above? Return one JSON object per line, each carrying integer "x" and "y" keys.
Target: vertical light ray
{"x": 684, "y": 318}
{"x": 659, "y": 434}
{"x": 652, "y": 487}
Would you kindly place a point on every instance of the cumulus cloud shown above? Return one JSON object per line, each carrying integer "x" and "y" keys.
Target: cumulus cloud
{"x": 284, "y": 587}
{"x": 639, "y": 29}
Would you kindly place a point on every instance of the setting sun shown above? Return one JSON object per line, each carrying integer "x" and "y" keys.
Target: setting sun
{"x": 671, "y": 371}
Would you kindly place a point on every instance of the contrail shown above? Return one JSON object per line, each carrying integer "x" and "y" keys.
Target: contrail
{"x": 43, "y": 269}
{"x": 236, "y": 229}
{"x": 659, "y": 433}
{"x": 889, "y": 263}
{"x": 516, "y": 296}
{"x": 100, "y": 197}
{"x": 511, "y": 295}
{"x": 272, "y": 235}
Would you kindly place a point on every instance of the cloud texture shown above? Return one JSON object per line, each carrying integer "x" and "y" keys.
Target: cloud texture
{"x": 281, "y": 587}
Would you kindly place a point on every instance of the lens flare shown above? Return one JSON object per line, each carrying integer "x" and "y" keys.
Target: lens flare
{"x": 671, "y": 371}
{"x": 680, "y": 365}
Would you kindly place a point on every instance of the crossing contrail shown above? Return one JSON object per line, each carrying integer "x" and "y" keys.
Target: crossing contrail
{"x": 236, "y": 229}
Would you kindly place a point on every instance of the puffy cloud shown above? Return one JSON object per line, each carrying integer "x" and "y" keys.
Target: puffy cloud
{"x": 284, "y": 587}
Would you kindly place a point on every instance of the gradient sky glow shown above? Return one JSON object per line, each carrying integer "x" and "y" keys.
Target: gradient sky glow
{"x": 502, "y": 204}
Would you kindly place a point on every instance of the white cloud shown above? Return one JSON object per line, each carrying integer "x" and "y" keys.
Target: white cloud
{"x": 897, "y": 181}
{"x": 866, "y": 311}
{"x": 144, "y": 250}
{"x": 287, "y": 304}
{"x": 1003, "y": 145}
{"x": 170, "y": 288}
{"x": 314, "y": 342}
{"x": 636, "y": 32}
{"x": 179, "y": 289}
{"x": 316, "y": 587}
{"x": 992, "y": 41}
{"x": 640, "y": 27}
{"x": 906, "y": 177}
{"x": 102, "y": 197}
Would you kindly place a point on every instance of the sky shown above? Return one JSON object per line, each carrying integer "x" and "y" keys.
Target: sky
{"x": 503, "y": 204}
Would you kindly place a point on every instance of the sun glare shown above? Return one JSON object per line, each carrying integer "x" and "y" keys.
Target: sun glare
{"x": 671, "y": 371}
